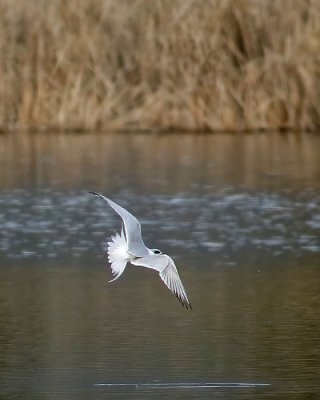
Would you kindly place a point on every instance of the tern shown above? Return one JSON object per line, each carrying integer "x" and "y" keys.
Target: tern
{"x": 128, "y": 246}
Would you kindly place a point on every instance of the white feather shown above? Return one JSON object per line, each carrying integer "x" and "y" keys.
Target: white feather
{"x": 168, "y": 273}
{"x": 129, "y": 246}
{"x": 118, "y": 255}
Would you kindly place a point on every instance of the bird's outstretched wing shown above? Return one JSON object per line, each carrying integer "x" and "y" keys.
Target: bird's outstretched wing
{"x": 168, "y": 273}
{"x": 132, "y": 228}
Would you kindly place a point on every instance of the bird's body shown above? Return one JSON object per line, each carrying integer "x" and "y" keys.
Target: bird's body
{"x": 128, "y": 246}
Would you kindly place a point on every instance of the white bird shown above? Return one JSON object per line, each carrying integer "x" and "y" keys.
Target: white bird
{"x": 128, "y": 246}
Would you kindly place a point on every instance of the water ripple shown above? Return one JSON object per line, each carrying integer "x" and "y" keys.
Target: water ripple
{"x": 52, "y": 224}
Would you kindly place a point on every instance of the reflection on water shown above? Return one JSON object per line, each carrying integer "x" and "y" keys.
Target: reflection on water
{"x": 184, "y": 385}
{"x": 160, "y": 164}
{"x": 241, "y": 217}
{"x": 224, "y": 222}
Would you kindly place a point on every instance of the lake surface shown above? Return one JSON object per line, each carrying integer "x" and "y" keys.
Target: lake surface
{"x": 240, "y": 215}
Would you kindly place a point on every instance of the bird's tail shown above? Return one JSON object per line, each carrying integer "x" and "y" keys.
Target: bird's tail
{"x": 117, "y": 254}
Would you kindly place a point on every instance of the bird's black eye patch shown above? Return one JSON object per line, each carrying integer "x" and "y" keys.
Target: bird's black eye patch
{"x": 156, "y": 251}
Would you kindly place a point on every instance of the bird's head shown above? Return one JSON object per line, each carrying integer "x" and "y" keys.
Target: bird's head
{"x": 156, "y": 251}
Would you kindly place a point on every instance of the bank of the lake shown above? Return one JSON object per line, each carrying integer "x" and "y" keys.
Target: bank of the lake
{"x": 188, "y": 65}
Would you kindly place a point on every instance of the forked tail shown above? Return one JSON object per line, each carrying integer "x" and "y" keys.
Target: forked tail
{"x": 117, "y": 254}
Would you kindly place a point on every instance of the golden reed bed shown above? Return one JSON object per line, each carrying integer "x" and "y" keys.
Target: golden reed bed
{"x": 160, "y": 64}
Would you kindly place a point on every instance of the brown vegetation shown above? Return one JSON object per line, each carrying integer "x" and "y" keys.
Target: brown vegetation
{"x": 160, "y": 64}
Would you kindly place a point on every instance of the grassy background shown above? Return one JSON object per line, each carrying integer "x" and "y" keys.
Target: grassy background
{"x": 160, "y": 64}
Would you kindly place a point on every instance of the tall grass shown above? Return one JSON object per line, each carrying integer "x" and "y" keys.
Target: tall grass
{"x": 160, "y": 64}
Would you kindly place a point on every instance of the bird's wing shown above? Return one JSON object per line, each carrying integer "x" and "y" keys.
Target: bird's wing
{"x": 171, "y": 278}
{"x": 168, "y": 273}
{"x": 132, "y": 228}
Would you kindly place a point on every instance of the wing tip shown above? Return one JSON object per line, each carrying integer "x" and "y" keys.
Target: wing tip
{"x": 184, "y": 302}
{"x": 95, "y": 193}
{"x": 187, "y": 305}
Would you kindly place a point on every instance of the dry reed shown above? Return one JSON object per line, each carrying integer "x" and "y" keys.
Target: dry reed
{"x": 160, "y": 64}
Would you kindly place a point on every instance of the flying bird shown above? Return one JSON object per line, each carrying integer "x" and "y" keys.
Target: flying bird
{"x": 128, "y": 246}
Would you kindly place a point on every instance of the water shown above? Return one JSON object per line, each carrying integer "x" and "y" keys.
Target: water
{"x": 239, "y": 214}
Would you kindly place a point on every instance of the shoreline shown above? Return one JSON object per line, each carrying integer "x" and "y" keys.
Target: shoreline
{"x": 163, "y": 66}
